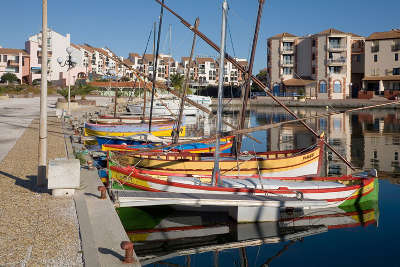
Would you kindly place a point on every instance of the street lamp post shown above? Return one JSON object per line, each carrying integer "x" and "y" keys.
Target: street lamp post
{"x": 70, "y": 62}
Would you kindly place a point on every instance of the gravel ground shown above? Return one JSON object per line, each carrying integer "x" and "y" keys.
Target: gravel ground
{"x": 35, "y": 228}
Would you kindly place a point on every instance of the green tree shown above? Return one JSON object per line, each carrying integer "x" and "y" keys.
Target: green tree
{"x": 177, "y": 82}
{"x": 263, "y": 77}
{"x": 9, "y": 77}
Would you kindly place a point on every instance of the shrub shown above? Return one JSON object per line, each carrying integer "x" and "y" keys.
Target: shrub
{"x": 9, "y": 77}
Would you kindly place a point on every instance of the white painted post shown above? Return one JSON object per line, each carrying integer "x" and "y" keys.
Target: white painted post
{"x": 41, "y": 176}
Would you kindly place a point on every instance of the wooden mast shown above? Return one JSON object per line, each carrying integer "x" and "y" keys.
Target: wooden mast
{"x": 245, "y": 96}
{"x": 185, "y": 87}
{"x": 155, "y": 65}
{"x": 255, "y": 80}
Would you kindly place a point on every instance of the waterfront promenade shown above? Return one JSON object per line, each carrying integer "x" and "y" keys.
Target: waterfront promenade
{"x": 35, "y": 228}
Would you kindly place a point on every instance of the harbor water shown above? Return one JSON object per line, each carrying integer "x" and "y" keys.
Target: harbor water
{"x": 363, "y": 234}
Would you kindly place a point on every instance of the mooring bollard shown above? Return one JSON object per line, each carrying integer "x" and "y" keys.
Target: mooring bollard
{"x": 90, "y": 165}
{"x": 128, "y": 247}
{"x": 102, "y": 189}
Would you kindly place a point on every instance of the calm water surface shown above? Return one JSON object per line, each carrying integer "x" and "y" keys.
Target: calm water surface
{"x": 365, "y": 235}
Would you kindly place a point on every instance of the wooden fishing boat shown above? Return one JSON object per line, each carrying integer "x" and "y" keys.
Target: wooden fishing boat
{"x": 123, "y": 129}
{"x": 289, "y": 163}
{"x": 196, "y": 147}
{"x": 334, "y": 190}
{"x": 131, "y": 119}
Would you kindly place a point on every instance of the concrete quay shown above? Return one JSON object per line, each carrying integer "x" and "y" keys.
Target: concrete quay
{"x": 314, "y": 103}
{"x": 37, "y": 229}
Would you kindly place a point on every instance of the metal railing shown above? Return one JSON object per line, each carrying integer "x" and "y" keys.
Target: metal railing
{"x": 395, "y": 47}
{"x": 336, "y": 47}
{"x": 336, "y": 61}
{"x": 374, "y": 48}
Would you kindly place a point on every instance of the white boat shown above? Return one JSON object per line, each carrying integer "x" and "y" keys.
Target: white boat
{"x": 164, "y": 107}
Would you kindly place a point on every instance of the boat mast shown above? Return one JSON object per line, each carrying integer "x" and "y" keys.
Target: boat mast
{"x": 185, "y": 85}
{"x": 256, "y": 81}
{"x": 245, "y": 96}
{"x": 155, "y": 64}
{"x": 216, "y": 172}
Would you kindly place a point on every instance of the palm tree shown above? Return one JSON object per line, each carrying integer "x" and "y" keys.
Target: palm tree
{"x": 177, "y": 81}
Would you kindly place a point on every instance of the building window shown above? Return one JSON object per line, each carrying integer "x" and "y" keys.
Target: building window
{"x": 337, "y": 87}
{"x": 4, "y": 58}
{"x": 287, "y": 71}
{"x": 335, "y": 69}
{"x": 375, "y": 58}
{"x": 358, "y": 58}
{"x": 396, "y": 155}
{"x": 313, "y": 43}
{"x": 313, "y": 70}
{"x": 396, "y": 71}
{"x": 396, "y": 57}
{"x": 323, "y": 124}
{"x": 322, "y": 87}
{"x": 313, "y": 56}
{"x": 375, "y": 154}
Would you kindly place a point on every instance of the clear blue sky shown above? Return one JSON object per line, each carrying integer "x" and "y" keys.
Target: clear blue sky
{"x": 123, "y": 25}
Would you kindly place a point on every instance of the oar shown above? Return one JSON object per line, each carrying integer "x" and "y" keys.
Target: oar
{"x": 262, "y": 127}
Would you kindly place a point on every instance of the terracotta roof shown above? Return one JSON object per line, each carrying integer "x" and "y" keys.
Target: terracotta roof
{"x": 202, "y": 60}
{"x": 331, "y": 31}
{"x": 13, "y": 51}
{"x": 147, "y": 58}
{"x": 75, "y": 46}
{"x": 87, "y": 48}
{"x": 101, "y": 51}
{"x": 133, "y": 55}
{"x": 297, "y": 82}
{"x": 382, "y": 78}
{"x": 281, "y": 35}
{"x": 243, "y": 63}
{"x": 128, "y": 62}
{"x": 183, "y": 59}
{"x": 393, "y": 34}
{"x": 354, "y": 35}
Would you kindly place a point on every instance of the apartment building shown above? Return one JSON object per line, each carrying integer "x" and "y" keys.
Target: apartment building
{"x": 317, "y": 66}
{"x": 382, "y": 64}
{"x": 15, "y": 61}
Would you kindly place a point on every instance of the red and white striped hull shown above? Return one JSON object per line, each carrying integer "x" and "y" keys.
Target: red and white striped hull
{"x": 333, "y": 192}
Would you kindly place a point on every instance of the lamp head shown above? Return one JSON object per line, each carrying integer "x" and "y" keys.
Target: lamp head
{"x": 59, "y": 60}
{"x": 69, "y": 50}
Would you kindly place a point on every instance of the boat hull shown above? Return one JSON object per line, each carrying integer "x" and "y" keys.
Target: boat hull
{"x": 270, "y": 164}
{"x": 129, "y": 130}
{"x": 334, "y": 193}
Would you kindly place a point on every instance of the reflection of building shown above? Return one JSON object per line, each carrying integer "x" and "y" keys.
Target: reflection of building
{"x": 382, "y": 142}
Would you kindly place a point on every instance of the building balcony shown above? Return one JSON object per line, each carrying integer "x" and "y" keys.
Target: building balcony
{"x": 287, "y": 63}
{"x": 12, "y": 63}
{"x": 375, "y": 49}
{"x": 395, "y": 47}
{"x": 336, "y": 47}
{"x": 287, "y": 50}
{"x": 336, "y": 62}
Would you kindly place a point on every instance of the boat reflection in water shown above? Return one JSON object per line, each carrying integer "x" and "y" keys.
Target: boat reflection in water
{"x": 165, "y": 237}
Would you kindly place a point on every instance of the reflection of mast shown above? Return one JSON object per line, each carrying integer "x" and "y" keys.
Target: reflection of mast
{"x": 244, "y": 262}
{"x": 266, "y": 264}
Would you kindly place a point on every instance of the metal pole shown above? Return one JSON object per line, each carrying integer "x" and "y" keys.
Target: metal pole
{"x": 216, "y": 174}
{"x": 255, "y": 80}
{"x": 185, "y": 85}
{"x": 245, "y": 96}
{"x": 69, "y": 85}
{"x": 42, "y": 168}
{"x": 155, "y": 64}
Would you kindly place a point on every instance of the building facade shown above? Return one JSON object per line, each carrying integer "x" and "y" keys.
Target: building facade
{"x": 382, "y": 63}
{"x": 315, "y": 66}
{"x": 15, "y": 61}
